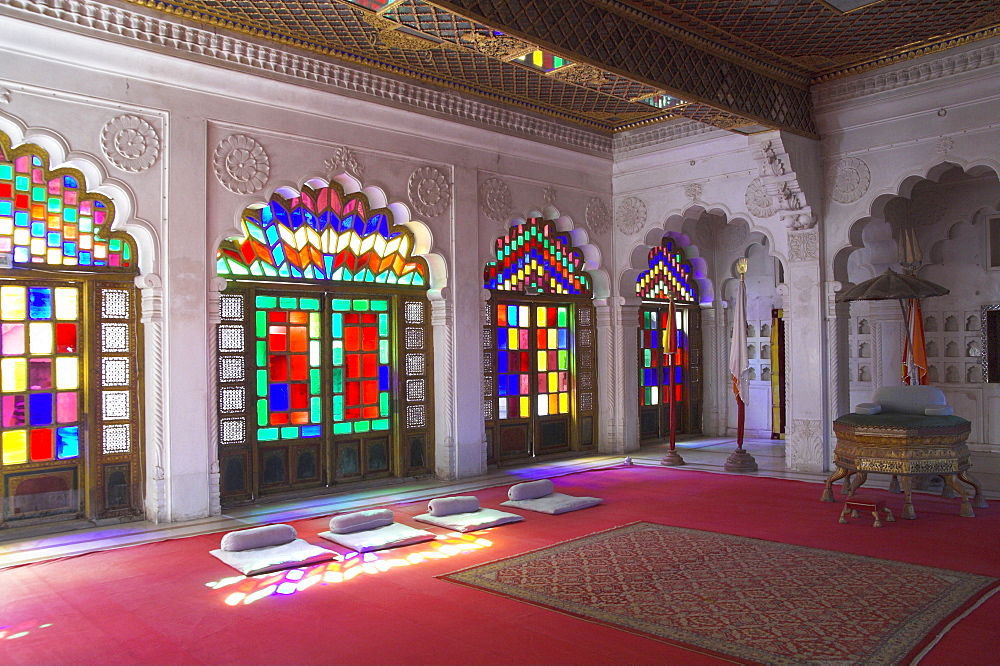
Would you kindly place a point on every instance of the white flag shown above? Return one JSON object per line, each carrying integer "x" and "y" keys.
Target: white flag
{"x": 739, "y": 362}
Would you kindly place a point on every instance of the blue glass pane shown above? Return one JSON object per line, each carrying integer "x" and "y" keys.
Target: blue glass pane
{"x": 502, "y": 385}
{"x": 563, "y": 338}
{"x": 40, "y": 408}
{"x": 514, "y": 387}
{"x": 501, "y": 362}
{"x": 383, "y": 378}
{"x": 67, "y": 442}
{"x": 311, "y": 431}
{"x": 279, "y": 398}
{"x": 39, "y": 303}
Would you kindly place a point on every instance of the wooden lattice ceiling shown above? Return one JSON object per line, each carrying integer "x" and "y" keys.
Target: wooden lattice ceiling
{"x": 742, "y": 64}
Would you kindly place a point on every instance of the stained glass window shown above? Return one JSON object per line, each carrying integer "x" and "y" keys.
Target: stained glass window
{"x": 655, "y": 365}
{"x": 535, "y": 258}
{"x": 49, "y": 218}
{"x": 359, "y": 332}
{"x": 669, "y": 274}
{"x": 533, "y": 360}
{"x": 543, "y": 61}
{"x": 323, "y": 234}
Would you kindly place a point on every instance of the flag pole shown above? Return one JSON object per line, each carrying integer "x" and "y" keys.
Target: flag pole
{"x": 740, "y": 460}
{"x": 672, "y": 458}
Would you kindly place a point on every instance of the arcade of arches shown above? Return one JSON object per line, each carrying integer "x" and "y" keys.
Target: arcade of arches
{"x": 211, "y": 298}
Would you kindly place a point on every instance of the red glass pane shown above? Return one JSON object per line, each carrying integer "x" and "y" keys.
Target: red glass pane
{"x": 353, "y": 363}
{"x": 299, "y": 367}
{"x": 512, "y": 361}
{"x": 543, "y": 382}
{"x": 352, "y": 393}
{"x": 524, "y": 360}
{"x": 352, "y": 413}
{"x": 564, "y": 381}
{"x": 277, "y": 316}
{"x": 42, "y": 447}
{"x": 21, "y": 201}
{"x": 553, "y": 361}
{"x": 370, "y": 412}
{"x": 501, "y": 315}
{"x": 277, "y": 338}
{"x": 299, "y": 396}
{"x": 300, "y": 418}
{"x": 351, "y": 318}
{"x": 370, "y": 392}
{"x": 65, "y": 338}
{"x": 370, "y": 365}
{"x": 369, "y": 319}
{"x": 369, "y": 338}
{"x": 298, "y": 317}
{"x": 542, "y": 337}
{"x": 553, "y": 316}
{"x": 279, "y": 418}
{"x": 277, "y": 368}
{"x": 298, "y": 339}
{"x": 352, "y": 338}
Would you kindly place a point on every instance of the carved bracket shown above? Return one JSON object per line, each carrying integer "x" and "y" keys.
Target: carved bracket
{"x": 782, "y": 184}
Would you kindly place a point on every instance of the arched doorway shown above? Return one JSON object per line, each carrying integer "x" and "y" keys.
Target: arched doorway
{"x": 70, "y": 427}
{"x": 539, "y": 346}
{"x": 324, "y": 348}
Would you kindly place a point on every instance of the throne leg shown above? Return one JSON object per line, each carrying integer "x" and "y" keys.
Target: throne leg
{"x": 966, "y": 509}
{"x": 978, "y": 500}
{"x": 838, "y": 473}
{"x": 908, "y": 512}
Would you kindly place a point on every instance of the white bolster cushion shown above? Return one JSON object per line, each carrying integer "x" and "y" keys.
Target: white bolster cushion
{"x": 939, "y": 410}
{"x": 361, "y": 520}
{"x": 258, "y": 537}
{"x": 531, "y": 490}
{"x": 447, "y": 506}
{"x": 868, "y": 408}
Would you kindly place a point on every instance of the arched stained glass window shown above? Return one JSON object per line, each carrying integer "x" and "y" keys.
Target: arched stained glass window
{"x": 324, "y": 359}
{"x": 539, "y": 353}
{"x": 667, "y": 365}
{"x": 69, "y": 417}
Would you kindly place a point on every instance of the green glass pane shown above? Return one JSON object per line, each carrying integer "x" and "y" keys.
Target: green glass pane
{"x": 338, "y": 353}
{"x": 266, "y": 301}
{"x": 314, "y": 382}
{"x": 383, "y": 403}
{"x": 288, "y": 303}
{"x": 383, "y": 325}
{"x": 262, "y": 413}
{"x": 337, "y": 325}
{"x": 563, "y": 318}
{"x": 267, "y": 434}
{"x": 261, "y": 353}
{"x": 338, "y": 380}
{"x": 115, "y": 244}
{"x": 647, "y": 358}
{"x": 314, "y": 325}
{"x": 341, "y": 304}
{"x": 383, "y": 351}
{"x": 380, "y": 424}
{"x": 6, "y": 171}
{"x": 380, "y": 306}
{"x": 261, "y": 324}
{"x": 21, "y": 183}
{"x": 563, "y": 360}
{"x": 309, "y": 303}
{"x": 338, "y": 408}
{"x": 315, "y": 410}
{"x": 362, "y": 426}
{"x": 54, "y": 205}
{"x": 289, "y": 433}
{"x": 262, "y": 383}
{"x": 38, "y": 194}
{"x": 342, "y": 428}
{"x": 361, "y": 305}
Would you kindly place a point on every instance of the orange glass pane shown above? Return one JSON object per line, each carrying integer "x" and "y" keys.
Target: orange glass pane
{"x": 298, "y": 337}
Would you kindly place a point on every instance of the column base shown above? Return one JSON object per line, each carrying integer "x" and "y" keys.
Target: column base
{"x": 672, "y": 459}
{"x": 740, "y": 461}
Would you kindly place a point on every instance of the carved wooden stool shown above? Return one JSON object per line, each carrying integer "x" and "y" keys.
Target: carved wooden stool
{"x": 870, "y": 504}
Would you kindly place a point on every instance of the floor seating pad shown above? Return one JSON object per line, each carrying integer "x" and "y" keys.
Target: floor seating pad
{"x": 554, "y": 503}
{"x": 394, "y": 535}
{"x": 275, "y": 558}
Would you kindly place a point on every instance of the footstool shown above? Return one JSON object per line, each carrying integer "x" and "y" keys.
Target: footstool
{"x": 870, "y": 504}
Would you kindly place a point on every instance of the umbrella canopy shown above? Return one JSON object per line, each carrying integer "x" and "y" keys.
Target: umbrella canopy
{"x": 891, "y": 285}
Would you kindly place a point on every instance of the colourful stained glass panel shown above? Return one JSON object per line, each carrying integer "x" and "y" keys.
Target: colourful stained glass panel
{"x": 287, "y": 359}
{"x": 323, "y": 234}
{"x": 49, "y": 218}
{"x": 543, "y": 61}
{"x": 40, "y": 375}
{"x": 670, "y": 275}
{"x": 655, "y": 364}
{"x": 361, "y": 370}
{"x": 535, "y": 258}
{"x": 552, "y": 359}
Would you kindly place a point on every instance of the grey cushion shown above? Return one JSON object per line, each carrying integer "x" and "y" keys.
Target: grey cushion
{"x": 467, "y": 522}
{"x": 379, "y": 538}
{"x": 939, "y": 410}
{"x": 555, "y": 503}
{"x": 360, "y": 521}
{"x": 446, "y": 506}
{"x": 531, "y": 490}
{"x": 258, "y": 537}
{"x": 296, "y": 553}
{"x": 908, "y": 399}
{"x": 868, "y": 408}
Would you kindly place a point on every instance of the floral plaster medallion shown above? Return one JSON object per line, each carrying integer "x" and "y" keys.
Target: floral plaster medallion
{"x": 631, "y": 215}
{"x": 429, "y": 190}
{"x": 848, "y": 180}
{"x": 758, "y": 201}
{"x": 598, "y": 216}
{"x": 130, "y": 143}
{"x": 241, "y": 164}
{"x": 494, "y": 198}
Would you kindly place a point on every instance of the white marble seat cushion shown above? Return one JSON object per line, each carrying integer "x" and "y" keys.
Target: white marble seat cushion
{"x": 394, "y": 535}
{"x": 554, "y": 503}
{"x": 289, "y": 555}
{"x": 473, "y": 520}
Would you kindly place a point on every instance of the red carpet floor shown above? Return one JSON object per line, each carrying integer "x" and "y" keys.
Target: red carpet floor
{"x": 152, "y": 604}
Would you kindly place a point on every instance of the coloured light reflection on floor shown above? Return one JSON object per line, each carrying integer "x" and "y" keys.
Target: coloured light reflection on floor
{"x": 244, "y": 590}
{"x": 12, "y": 631}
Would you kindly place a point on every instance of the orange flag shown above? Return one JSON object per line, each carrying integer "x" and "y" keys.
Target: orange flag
{"x": 914, "y": 349}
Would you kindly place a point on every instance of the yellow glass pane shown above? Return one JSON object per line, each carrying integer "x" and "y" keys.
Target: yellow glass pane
{"x": 15, "y": 447}
{"x": 542, "y": 318}
{"x": 313, "y": 324}
{"x": 67, "y": 373}
{"x": 22, "y": 236}
{"x": 13, "y": 374}
{"x": 512, "y": 338}
{"x": 553, "y": 338}
{"x": 542, "y": 361}
{"x": 553, "y": 382}
{"x": 564, "y": 403}
{"x": 12, "y": 303}
{"x": 66, "y": 299}
{"x": 525, "y": 405}
{"x": 40, "y": 338}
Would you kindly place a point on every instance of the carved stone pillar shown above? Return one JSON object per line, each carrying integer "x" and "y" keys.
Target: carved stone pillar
{"x": 445, "y": 453}
{"x": 838, "y": 322}
{"x": 151, "y": 289}
{"x": 617, "y": 324}
{"x": 216, "y": 287}
{"x": 806, "y": 442}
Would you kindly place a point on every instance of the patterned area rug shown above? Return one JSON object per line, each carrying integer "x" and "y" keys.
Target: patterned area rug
{"x": 741, "y": 597}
